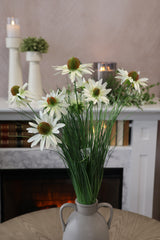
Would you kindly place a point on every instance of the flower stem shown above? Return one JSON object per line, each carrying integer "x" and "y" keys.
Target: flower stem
{"x": 32, "y": 110}
{"x": 75, "y": 90}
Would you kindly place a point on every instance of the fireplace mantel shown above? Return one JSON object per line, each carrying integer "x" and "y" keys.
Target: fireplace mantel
{"x": 137, "y": 160}
{"x": 148, "y": 112}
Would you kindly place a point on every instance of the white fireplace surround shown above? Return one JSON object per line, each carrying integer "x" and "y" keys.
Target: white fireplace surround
{"x": 137, "y": 160}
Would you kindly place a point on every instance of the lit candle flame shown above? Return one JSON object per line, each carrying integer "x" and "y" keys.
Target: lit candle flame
{"x": 102, "y": 69}
{"x": 12, "y": 22}
{"x": 104, "y": 125}
{"x": 109, "y": 69}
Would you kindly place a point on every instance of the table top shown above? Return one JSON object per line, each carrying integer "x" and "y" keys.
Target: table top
{"x": 45, "y": 224}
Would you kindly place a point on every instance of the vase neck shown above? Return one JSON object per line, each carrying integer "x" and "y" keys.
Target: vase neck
{"x": 86, "y": 209}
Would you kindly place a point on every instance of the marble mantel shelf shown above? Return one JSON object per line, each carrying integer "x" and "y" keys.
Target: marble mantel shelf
{"x": 152, "y": 112}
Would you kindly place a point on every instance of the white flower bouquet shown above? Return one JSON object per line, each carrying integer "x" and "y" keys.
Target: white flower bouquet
{"x": 73, "y": 122}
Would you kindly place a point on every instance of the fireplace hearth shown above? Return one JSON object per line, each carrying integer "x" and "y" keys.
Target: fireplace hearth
{"x": 28, "y": 190}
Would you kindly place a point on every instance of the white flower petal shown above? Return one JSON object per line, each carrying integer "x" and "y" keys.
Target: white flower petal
{"x": 48, "y": 142}
{"x": 34, "y": 138}
{"x": 34, "y": 143}
{"x": 32, "y": 130}
{"x": 33, "y": 124}
{"x": 42, "y": 143}
{"x": 53, "y": 139}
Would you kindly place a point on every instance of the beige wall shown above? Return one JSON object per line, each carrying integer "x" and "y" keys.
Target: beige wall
{"x": 124, "y": 31}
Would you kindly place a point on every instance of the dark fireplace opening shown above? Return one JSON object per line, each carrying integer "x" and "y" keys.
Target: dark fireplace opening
{"x": 28, "y": 190}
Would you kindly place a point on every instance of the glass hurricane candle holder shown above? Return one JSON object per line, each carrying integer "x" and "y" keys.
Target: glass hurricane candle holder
{"x": 104, "y": 70}
{"x": 13, "y": 27}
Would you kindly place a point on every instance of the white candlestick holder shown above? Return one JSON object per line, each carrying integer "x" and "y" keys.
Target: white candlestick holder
{"x": 15, "y": 72}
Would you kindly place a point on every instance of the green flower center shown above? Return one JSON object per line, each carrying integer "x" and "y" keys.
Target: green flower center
{"x": 134, "y": 75}
{"x": 96, "y": 92}
{"x": 15, "y": 90}
{"x": 73, "y": 63}
{"x": 44, "y": 128}
{"x": 51, "y": 101}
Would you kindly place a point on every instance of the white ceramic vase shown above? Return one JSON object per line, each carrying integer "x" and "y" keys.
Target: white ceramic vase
{"x": 34, "y": 76}
{"x": 86, "y": 223}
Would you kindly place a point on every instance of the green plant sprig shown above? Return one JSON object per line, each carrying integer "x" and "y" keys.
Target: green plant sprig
{"x": 133, "y": 97}
{"x": 34, "y": 44}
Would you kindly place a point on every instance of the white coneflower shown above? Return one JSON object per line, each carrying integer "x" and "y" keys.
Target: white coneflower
{"x": 54, "y": 103}
{"x": 75, "y": 69}
{"x": 132, "y": 78}
{"x": 123, "y": 76}
{"x": 96, "y": 92}
{"x": 19, "y": 95}
{"x": 45, "y": 130}
{"x": 137, "y": 82}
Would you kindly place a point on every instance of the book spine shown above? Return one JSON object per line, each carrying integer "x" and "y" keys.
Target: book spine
{"x": 126, "y": 133}
{"x": 13, "y": 143}
{"x": 14, "y": 135}
{"x": 120, "y": 130}
{"x": 13, "y": 127}
{"x": 113, "y": 135}
{"x": 7, "y": 134}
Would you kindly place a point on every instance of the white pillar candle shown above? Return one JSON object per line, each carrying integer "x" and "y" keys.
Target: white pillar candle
{"x": 13, "y": 27}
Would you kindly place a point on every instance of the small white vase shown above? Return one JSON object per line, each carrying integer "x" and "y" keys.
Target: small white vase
{"x": 34, "y": 76}
{"x": 86, "y": 223}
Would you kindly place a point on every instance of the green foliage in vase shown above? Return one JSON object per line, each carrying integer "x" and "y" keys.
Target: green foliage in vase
{"x": 85, "y": 141}
{"x": 34, "y": 44}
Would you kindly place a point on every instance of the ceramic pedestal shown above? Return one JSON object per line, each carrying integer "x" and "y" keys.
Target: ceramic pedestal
{"x": 15, "y": 72}
{"x": 34, "y": 76}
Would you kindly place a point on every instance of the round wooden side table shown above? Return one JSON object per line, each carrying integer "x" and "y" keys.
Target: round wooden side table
{"x": 45, "y": 225}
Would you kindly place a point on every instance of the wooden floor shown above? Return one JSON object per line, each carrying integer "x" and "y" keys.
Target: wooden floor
{"x": 45, "y": 225}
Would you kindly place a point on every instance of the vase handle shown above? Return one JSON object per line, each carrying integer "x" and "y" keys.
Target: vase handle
{"x": 72, "y": 205}
{"x": 111, "y": 211}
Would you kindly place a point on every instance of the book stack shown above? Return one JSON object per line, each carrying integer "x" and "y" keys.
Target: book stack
{"x": 14, "y": 134}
